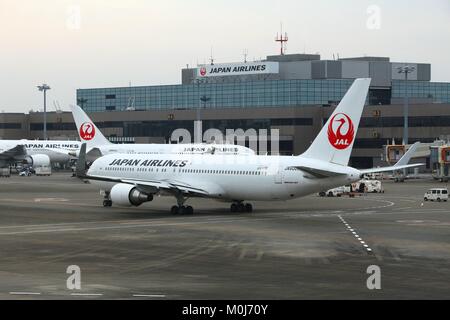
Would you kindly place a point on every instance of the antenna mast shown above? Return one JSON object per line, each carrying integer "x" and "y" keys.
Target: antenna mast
{"x": 211, "y": 59}
{"x": 245, "y": 53}
{"x": 282, "y": 40}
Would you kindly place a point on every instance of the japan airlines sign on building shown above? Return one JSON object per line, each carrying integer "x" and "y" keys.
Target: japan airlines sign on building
{"x": 237, "y": 69}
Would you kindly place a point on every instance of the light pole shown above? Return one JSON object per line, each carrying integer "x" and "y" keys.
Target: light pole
{"x": 198, "y": 82}
{"x": 44, "y": 88}
{"x": 204, "y": 99}
{"x": 81, "y": 102}
{"x": 406, "y": 70}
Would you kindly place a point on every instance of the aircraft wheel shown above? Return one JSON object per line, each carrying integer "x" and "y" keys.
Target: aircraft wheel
{"x": 248, "y": 207}
{"x": 233, "y": 207}
{"x": 174, "y": 210}
{"x": 107, "y": 203}
{"x": 189, "y": 210}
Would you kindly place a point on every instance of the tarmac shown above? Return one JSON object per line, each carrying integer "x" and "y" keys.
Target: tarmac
{"x": 308, "y": 248}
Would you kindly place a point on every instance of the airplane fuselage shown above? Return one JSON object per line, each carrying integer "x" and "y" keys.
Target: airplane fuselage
{"x": 56, "y": 150}
{"x": 174, "y": 149}
{"x": 226, "y": 177}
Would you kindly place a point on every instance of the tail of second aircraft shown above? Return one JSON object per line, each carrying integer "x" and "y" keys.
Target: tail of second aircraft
{"x": 87, "y": 130}
{"x": 335, "y": 141}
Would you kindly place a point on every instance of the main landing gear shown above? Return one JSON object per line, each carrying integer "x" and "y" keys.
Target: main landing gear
{"x": 180, "y": 208}
{"x": 241, "y": 207}
{"x": 107, "y": 200}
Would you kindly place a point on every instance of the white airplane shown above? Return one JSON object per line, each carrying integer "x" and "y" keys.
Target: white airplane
{"x": 98, "y": 145}
{"x": 37, "y": 152}
{"x": 130, "y": 180}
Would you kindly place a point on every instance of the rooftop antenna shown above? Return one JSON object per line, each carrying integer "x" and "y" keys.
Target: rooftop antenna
{"x": 57, "y": 106}
{"x": 211, "y": 59}
{"x": 245, "y": 53}
{"x": 282, "y": 40}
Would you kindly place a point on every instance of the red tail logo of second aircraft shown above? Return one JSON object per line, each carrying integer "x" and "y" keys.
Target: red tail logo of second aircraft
{"x": 341, "y": 131}
{"x": 87, "y": 131}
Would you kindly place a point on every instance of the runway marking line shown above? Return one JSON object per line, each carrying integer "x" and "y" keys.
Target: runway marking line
{"x": 86, "y": 294}
{"x": 149, "y": 295}
{"x": 25, "y": 293}
{"x": 352, "y": 230}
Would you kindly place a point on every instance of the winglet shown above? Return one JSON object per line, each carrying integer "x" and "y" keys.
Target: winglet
{"x": 408, "y": 155}
{"x": 80, "y": 170}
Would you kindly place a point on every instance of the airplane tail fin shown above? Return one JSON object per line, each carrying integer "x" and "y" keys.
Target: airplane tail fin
{"x": 334, "y": 142}
{"x": 87, "y": 130}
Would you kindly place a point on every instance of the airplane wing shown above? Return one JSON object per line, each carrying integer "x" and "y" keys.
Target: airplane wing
{"x": 391, "y": 168}
{"x": 408, "y": 155}
{"x": 62, "y": 151}
{"x": 154, "y": 186}
{"x": 319, "y": 173}
{"x": 92, "y": 154}
{"x": 16, "y": 152}
{"x": 401, "y": 164}
{"x": 150, "y": 186}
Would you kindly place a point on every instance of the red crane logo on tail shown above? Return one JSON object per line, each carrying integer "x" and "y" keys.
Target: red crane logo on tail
{"x": 203, "y": 71}
{"x": 339, "y": 123}
{"x": 87, "y": 131}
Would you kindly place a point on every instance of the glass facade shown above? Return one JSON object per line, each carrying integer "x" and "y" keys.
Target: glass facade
{"x": 397, "y": 122}
{"x": 221, "y": 95}
{"x": 268, "y": 93}
{"x": 439, "y": 92}
{"x": 165, "y": 128}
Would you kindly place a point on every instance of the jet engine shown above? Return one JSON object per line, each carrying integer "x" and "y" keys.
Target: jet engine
{"x": 38, "y": 160}
{"x": 127, "y": 195}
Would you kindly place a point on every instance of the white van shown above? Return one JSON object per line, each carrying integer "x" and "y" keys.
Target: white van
{"x": 438, "y": 194}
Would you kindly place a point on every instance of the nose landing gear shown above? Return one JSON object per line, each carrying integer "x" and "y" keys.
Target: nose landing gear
{"x": 107, "y": 200}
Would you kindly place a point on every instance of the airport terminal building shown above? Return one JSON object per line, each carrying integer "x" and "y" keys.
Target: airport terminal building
{"x": 294, "y": 93}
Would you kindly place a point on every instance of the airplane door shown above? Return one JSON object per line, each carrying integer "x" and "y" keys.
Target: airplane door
{"x": 279, "y": 176}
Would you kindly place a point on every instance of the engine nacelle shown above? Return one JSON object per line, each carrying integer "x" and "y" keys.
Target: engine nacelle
{"x": 127, "y": 195}
{"x": 38, "y": 160}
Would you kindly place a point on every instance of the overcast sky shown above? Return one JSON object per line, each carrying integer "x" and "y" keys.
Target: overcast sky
{"x": 72, "y": 44}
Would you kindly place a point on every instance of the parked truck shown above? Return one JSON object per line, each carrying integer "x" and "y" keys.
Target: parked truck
{"x": 43, "y": 171}
{"x": 5, "y": 172}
